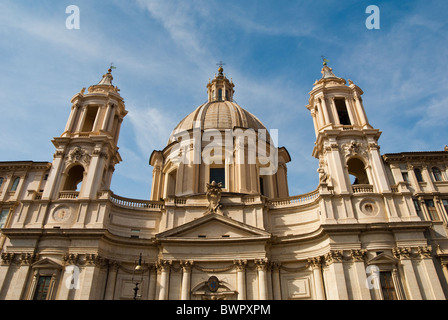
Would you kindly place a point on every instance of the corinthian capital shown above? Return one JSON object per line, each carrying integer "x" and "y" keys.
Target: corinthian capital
{"x": 240, "y": 264}
{"x": 261, "y": 264}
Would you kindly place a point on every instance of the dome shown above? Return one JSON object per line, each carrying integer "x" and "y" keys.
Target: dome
{"x": 220, "y": 112}
{"x": 219, "y": 115}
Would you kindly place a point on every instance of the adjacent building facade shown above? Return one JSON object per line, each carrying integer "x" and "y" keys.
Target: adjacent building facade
{"x": 220, "y": 222}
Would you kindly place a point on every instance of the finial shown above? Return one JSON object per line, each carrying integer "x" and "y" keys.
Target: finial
{"x": 220, "y": 69}
{"x": 324, "y": 60}
{"x": 111, "y": 67}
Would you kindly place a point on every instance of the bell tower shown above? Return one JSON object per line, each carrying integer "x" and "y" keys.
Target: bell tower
{"x": 87, "y": 152}
{"x": 346, "y": 144}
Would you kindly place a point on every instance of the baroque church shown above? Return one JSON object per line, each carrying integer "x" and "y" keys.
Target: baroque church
{"x": 220, "y": 223}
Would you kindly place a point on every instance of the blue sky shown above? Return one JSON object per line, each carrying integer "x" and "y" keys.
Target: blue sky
{"x": 165, "y": 52}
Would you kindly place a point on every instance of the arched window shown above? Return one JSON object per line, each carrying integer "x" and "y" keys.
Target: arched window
{"x": 437, "y": 174}
{"x": 74, "y": 178}
{"x": 418, "y": 174}
{"x": 1, "y": 182}
{"x": 357, "y": 171}
{"x": 15, "y": 184}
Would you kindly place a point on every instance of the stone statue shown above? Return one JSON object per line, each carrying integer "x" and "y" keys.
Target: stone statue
{"x": 214, "y": 197}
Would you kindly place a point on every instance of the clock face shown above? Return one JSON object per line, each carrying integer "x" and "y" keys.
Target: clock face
{"x": 213, "y": 284}
{"x": 61, "y": 214}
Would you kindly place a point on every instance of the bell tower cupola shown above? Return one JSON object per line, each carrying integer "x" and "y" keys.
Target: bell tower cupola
{"x": 335, "y": 105}
{"x": 346, "y": 144}
{"x": 87, "y": 151}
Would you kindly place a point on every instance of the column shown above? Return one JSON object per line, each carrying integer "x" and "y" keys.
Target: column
{"x": 325, "y": 110}
{"x": 335, "y": 276}
{"x": 413, "y": 178}
{"x": 6, "y": 187}
{"x": 361, "y": 111}
{"x": 262, "y": 280}
{"x": 357, "y": 115}
{"x": 111, "y": 281}
{"x": 408, "y": 273}
{"x": 315, "y": 264}
{"x": 20, "y": 265}
{"x": 315, "y": 120}
{"x": 362, "y": 291}
{"x": 432, "y": 285}
{"x": 378, "y": 168}
{"x": 351, "y": 113}
{"x": 241, "y": 278}
{"x": 164, "y": 269}
{"x": 444, "y": 264}
{"x": 152, "y": 282}
{"x": 71, "y": 119}
{"x": 92, "y": 177}
{"x": 427, "y": 178}
{"x": 5, "y": 273}
{"x": 90, "y": 278}
{"x": 106, "y": 118}
{"x": 276, "y": 288}
{"x": 82, "y": 117}
{"x": 186, "y": 279}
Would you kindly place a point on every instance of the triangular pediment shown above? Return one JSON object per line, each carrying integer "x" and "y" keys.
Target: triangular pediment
{"x": 383, "y": 258}
{"x": 47, "y": 263}
{"x": 213, "y": 226}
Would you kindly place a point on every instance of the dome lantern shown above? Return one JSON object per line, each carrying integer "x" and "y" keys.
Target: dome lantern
{"x": 220, "y": 88}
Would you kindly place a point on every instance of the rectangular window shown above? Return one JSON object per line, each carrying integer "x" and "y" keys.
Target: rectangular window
{"x": 218, "y": 175}
{"x": 15, "y": 184}
{"x": 445, "y": 205}
{"x": 3, "y": 217}
{"x": 405, "y": 176}
{"x": 43, "y": 284}
{"x": 262, "y": 186}
{"x": 418, "y": 209}
{"x": 341, "y": 109}
{"x": 431, "y": 210}
{"x": 418, "y": 174}
{"x": 387, "y": 286}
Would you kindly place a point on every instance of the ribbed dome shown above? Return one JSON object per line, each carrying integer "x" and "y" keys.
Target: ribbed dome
{"x": 218, "y": 115}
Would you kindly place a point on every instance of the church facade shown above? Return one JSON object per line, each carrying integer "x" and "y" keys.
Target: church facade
{"x": 220, "y": 223}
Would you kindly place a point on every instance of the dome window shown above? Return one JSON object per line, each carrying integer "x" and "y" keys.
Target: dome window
{"x": 218, "y": 175}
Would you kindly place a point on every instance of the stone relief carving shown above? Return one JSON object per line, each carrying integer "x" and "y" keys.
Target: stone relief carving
{"x": 354, "y": 148}
{"x": 79, "y": 155}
